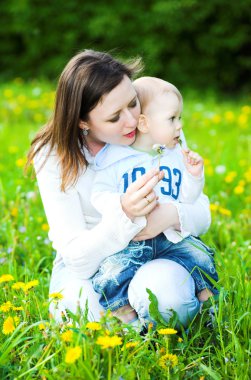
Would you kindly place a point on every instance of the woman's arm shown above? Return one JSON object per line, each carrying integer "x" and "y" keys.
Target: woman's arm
{"x": 82, "y": 249}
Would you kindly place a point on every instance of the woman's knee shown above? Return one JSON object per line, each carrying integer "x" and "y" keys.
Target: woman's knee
{"x": 172, "y": 285}
{"x": 75, "y": 293}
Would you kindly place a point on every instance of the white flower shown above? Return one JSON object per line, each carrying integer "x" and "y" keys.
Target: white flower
{"x": 220, "y": 169}
{"x": 36, "y": 91}
{"x": 159, "y": 148}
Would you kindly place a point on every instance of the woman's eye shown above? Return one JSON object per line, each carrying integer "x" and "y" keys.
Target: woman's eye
{"x": 113, "y": 120}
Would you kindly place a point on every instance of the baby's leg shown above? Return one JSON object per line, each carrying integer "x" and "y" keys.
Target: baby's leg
{"x": 204, "y": 294}
{"x": 198, "y": 259}
{"x": 125, "y": 313}
{"x": 115, "y": 274}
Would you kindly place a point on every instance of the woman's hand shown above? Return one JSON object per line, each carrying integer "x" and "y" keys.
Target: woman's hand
{"x": 140, "y": 198}
{"x": 164, "y": 216}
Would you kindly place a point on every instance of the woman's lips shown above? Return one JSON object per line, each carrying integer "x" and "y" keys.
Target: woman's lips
{"x": 131, "y": 134}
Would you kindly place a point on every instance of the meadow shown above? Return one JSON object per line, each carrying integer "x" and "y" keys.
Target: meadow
{"x": 33, "y": 346}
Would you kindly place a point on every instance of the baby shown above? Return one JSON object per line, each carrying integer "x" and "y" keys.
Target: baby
{"x": 118, "y": 166}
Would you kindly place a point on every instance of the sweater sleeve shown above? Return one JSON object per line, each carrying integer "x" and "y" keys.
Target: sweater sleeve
{"x": 195, "y": 219}
{"x": 82, "y": 249}
{"x": 191, "y": 187}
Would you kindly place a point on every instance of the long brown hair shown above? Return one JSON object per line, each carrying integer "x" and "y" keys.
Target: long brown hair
{"x": 86, "y": 78}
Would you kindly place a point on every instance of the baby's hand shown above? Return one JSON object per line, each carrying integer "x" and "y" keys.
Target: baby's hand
{"x": 193, "y": 162}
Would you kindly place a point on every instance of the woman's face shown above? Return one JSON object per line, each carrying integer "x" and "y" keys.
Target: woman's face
{"x": 115, "y": 117}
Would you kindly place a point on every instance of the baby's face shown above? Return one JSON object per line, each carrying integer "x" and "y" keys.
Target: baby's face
{"x": 164, "y": 119}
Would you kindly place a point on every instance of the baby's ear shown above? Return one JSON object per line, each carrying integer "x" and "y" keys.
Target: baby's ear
{"x": 143, "y": 124}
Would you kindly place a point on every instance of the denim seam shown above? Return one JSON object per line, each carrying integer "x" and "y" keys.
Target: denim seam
{"x": 117, "y": 304}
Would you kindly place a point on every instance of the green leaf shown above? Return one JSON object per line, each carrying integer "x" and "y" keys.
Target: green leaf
{"x": 153, "y": 308}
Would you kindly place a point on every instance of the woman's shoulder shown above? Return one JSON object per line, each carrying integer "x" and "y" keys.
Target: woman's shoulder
{"x": 45, "y": 158}
{"x": 48, "y": 170}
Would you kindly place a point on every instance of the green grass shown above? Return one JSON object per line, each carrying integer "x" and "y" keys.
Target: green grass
{"x": 36, "y": 348}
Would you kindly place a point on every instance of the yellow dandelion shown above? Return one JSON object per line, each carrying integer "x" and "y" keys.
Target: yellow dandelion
{"x": 246, "y": 109}
{"x": 38, "y": 117}
{"x": 109, "y": 341}
{"x": 95, "y": 326}
{"x": 32, "y": 104}
{"x": 167, "y": 331}
{"x": 180, "y": 340}
{"x": 21, "y": 99}
{"x": 150, "y": 326}
{"x": 6, "y": 278}
{"x": 17, "y": 308}
{"x": 18, "y": 285}
{"x": 72, "y": 354}
{"x": 243, "y": 119}
{"x": 14, "y": 211}
{"x": 207, "y": 161}
{"x": 214, "y": 207}
{"x": 17, "y": 110}
{"x": 216, "y": 119}
{"x": 67, "y": 336}
{"x": 248, "y": 199}
{"x": 247, "y": 213}
{"x": 10, "y": 324}
{"x": 229, "y": 116}
{"x": 241, "y": 182}
{"x": 20, "y": 162}
{"x": 224, "y": 211}
{"x": 238, "y": 190}
{"x": 247, "y": 175}
{"x": 5, "y": 307}
{"x": 167, "y": 360}
{"x": 56, "y": 296}
{"x": 8, "y": 93}
{"x": 41, "y": 326}
{"x": 45, "y": 227}
{"x": 132, "y": 344}
{"x": 31, "y": 284}
{"x": 230, "y": 177}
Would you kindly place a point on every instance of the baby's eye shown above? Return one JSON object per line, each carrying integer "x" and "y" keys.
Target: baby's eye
{"x": 172, "y": 119}
{"x": 133, "y": 103}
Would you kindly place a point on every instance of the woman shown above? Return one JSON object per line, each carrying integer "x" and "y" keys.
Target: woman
{"x": 96, "y": 103}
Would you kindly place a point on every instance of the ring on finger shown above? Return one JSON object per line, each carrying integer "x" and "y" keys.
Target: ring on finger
{"x": 147, "y": 199}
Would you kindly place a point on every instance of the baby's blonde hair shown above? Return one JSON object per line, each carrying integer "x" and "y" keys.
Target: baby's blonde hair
{"x": 148, "y": 88}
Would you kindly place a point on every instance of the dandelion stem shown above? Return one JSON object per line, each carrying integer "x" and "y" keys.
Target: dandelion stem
{"x": 109, "y": 364}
